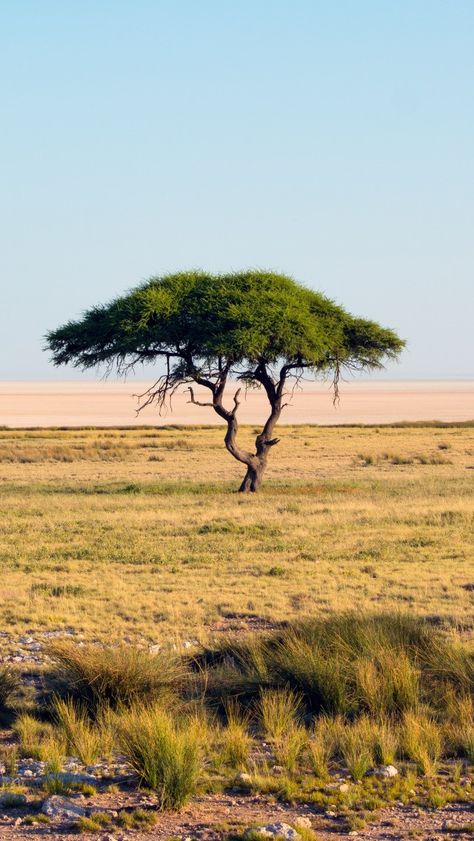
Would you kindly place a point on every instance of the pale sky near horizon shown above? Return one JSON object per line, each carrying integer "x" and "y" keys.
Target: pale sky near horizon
{"x": 331, "y": 141}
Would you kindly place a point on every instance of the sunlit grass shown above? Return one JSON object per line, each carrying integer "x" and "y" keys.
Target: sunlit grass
{"x": 171, "y": 552}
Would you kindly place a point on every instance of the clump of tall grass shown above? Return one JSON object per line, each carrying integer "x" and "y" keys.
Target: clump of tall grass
{"x": 32, "y": 735}
{"x": 387, "y": 682}
{"x": 349, "y": 665}
{"x": 235, "y": 741}
{"x": 277, "y": 710}
{"x": 164, "y": 753}
{"x": 356, "y": 748}
{"x": 40, "y": 740}
{"x": 85, "y": 739}
{"x": 290, "y": 745}
{"x": 302, "y": 662}
{"x": 319, "y": 754}
{"x": 120, "y": 676}
{"x": 422, "y": 742}
{"x": 324, "y": 743}
{"x": 385, "y": 741}
{"x": 459, "y": 727}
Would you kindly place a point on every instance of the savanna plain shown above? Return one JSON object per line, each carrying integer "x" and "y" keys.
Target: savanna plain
{"x": 180, "y": 660}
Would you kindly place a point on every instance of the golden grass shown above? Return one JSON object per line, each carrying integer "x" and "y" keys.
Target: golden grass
{"x": 137, "y": 534}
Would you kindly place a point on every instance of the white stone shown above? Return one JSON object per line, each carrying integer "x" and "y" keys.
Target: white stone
{"x": 386, "y": 771}
{"x": 57, "y": 806}
{"x": 279, "y": 829}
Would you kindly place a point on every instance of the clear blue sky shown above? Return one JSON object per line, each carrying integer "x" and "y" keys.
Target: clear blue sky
{"x": 330, "y": 140}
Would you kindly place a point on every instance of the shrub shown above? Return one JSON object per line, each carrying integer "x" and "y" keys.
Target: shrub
{"x": 164, "y": 755}
{"x": 97, "y": 676}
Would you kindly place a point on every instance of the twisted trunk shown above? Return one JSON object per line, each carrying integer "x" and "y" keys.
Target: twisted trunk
{"x": 255, "y": 462}
{"x": 253, "y": 477}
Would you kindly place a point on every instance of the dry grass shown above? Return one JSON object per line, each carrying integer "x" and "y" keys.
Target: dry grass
{"x": 163, "y": 549}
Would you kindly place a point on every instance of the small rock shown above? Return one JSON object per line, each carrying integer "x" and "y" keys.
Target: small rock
{"x": 57, "y": 806}
{"x": 282, "y": 830}
{"x": 243, "y": 778}
{"x": 386, "y": 771}
{"x": 344, "y": 787}
{"x": 277, "y": 770}
{"x": 28, "y": 773}
{"x": 330, "y": 814}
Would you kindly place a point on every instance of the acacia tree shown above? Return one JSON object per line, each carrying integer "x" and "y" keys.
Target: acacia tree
{"x": 257, "y": 328}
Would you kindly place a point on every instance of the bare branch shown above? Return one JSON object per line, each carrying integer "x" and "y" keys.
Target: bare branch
{"x": 198, "y": 402}
{"x": 236, "y": 401}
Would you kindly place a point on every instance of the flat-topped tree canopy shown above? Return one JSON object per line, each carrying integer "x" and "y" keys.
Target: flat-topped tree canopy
{"x": 257, "y": 326}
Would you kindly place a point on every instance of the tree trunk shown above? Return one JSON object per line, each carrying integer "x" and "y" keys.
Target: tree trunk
{"x": 253, "y": 477}
{"x": 255, "y": 462}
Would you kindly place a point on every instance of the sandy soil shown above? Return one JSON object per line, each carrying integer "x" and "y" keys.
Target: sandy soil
{"x": 108, "y": 403}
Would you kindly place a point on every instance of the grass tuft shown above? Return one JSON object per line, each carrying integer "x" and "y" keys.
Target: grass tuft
{"x": 97, "y": 676}
{"x": 164, "y": 755}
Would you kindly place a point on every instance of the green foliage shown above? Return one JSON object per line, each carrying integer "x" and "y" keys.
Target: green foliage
{"x": 356, "y": 749}
{"x": 278, "y": 710}
{"x": 137, "y": 819}
{"x": 236, "y": 741}
{"x": 164, "y": 755}
{"x": 83, "y": 739}
{"x": 35, "y": 818}
{"x": 241, "y": 318}
{"x": 99, "y": 677}
{"x": 348, "y": 665}
{"x": 422, "y": 741}
{"x": 289, "y": 746}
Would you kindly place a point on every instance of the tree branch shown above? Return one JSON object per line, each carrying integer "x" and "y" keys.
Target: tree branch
{"x": 197, "y": 402}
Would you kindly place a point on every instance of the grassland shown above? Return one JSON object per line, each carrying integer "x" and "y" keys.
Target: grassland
{"x": 138, "y": 534}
